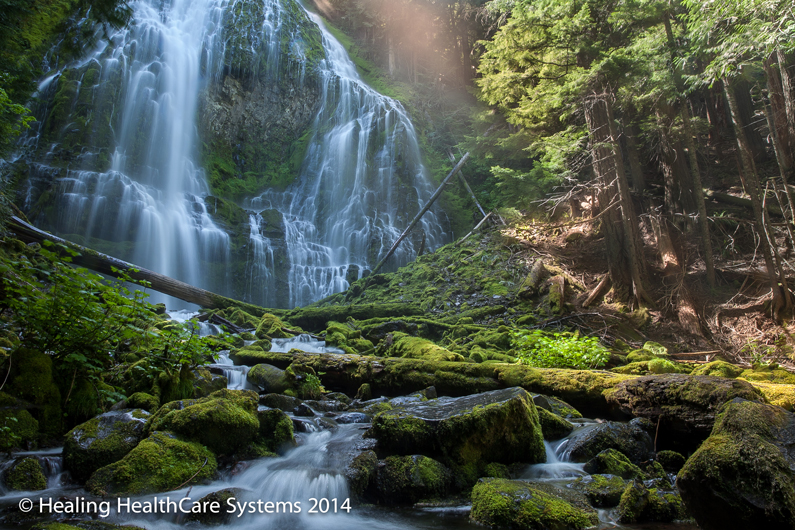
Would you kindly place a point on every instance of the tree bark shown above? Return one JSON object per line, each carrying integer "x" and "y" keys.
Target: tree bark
{"x": 751, "y": 183}
{"x": 786, "y": 67}
{"x": 744, "y": 109}
{"x": 633, "y": 154}
{"x": 777, "y": 118}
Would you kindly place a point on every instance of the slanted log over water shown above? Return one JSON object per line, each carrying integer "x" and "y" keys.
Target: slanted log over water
{"x": 102, "y": 263}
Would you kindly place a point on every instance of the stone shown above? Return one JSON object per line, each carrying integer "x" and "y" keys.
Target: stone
{"x": 602, "y": 491}
{"x": 206, "y": 517}
{"x": 612, "y": 462}
{"x": 556, "y": 406}
{"x": 519, "y": 504}
{"x": 102, "y": 440}
{"x": 685, "y": 405}
{"x": 275, "y": 431}
{"x": 268, "y": 378}
{"x": 25, "y": 474}
{"x": 742, "y": 475}
{"x": 205, "y": 382}
{"x": 408, "y": 479}
{"x": 630, "y": 439}
{"x": 361, "y": 473}
{"x": 671, "y": 461}
{"x": 642, "y": 505}
{"x": 553, "y": 426}
{"x": 279, "y": 401}
{"x": 161, "y": 462}
{"x": 497, "y": 426}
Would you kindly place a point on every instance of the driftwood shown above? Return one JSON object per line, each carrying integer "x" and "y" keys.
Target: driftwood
{"x": 601, "y": 288}
{"x": 105, "y": 264}
{"x": 466, "y": 185}
{"x": 477, "y": 226}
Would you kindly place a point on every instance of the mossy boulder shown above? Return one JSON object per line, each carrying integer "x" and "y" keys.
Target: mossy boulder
{"x": 685, "y": 405}
{"x": 418, "y": 348}
{"x": 225, "y": 421}
{"x": 361, "y": 473}
{"x": 19, "y": 428}
{"x": 25, "y": 474}
{"x": 631, "y": 439}
{"x": 601, "y": 490}
{"x": 205, "y": 382}
{"x": 347, "y": 338}
{"x": 671, "y": 461}
{"x": 31, "y": 379}
{"x": 268, "y": 379}
{"x": 279, "y": 401}
{"x": 221, "y": 497}
{"x": 271, "y": 327}
{"x": 102, "y": 440}
{"x": 408, "y": 479}
{"x": 556, "y": 406}
{"x": 498, "y": 426}
{"x": 719, "y": 369}
{"x": 161, "y": 462}
{"x": 517, "y": 504}
{"x": 640, "y": 504}
{"x": 249, "y": 356}
{"x": 275, "y": 431}
{"x": 553, "y": 426}
{"x": 612, "y": 462}
{"x": 741, "y": 476}
{"x": 144, "y": 401}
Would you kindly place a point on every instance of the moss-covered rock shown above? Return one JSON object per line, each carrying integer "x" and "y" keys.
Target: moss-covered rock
{"x": 19, "y": 428}
{"x": 517, "y": 504}
{"x": 31, "y": 379}
{"x": 221, "y": 497}
{"x": 144, "y": 401}
{"x": 279, "y": 401}
{"x": 719, "y": 369}
{"x": 275, "y": 431}
{"x": 418, "y": 348}
{"x": 102, "y": 441}
{"x": 777, "y": 394}
{"x": 553, "y": 426}
{"x": 671, "y": 461}
{"x": 768, "y": 374}
{"x": 25, "y": 474}
{"x": 556, "y": 406}
{"x": 741, "y": 476}
{"x": 640, "y": 504}
{"x": 249, "y": 356}
{"x": 408, "y": 479}
{"x": 499, "y": 426}
{"x": 271, "y": 327}
{"x": 631, "y": 439}
{"x": 684, "y": 405}
{"x": 361, "y": 473}
{"x": 601, "y": 490}
{"x": 268, "y": 379}
{"x": 161, "y": 462}
{"x": 225, "y": 421}
{"x": 496, "y": 470}
{"x": 205, "y": 382}
{"x": 612, "y": 462}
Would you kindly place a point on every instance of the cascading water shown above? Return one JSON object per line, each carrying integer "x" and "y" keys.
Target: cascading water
{"x": 361, "y": 181}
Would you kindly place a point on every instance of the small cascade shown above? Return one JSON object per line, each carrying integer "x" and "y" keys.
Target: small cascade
{"x": 235, "y": 375}
{"x": 558, "y": 465}
{"x": 204, "y": 328}
{"x": 304, "y": 343}
{"x": 260, "y": 266}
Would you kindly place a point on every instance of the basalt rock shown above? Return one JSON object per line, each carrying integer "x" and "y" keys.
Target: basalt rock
{"x": 631, "y": 439}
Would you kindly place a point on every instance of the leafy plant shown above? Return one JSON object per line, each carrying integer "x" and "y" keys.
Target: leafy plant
{"x": 559, "y": 350}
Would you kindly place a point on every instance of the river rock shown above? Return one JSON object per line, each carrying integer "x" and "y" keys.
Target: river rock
{"x": 225, "y": 421}
{"x": 742, "y": 475}
{"x": 279, "y": 401}
{"x": 497, "y": 426}
{"x": 352, "y": 417}
{"x": 685, "y": 405}
{"x": 556, "y": 406}
{"x": 671, "y": 461}
{"x": 205, "y": 382}
{"x": 612, "y": 462}
{"x": 520, "y": 504}
{"x": 268, "y": 378}
{"x": 161, "y": 462}
{"x": 408, "y": 479}
{"x": 361, "y": 473}
{"x": 631, "y": 439}
{"x": 602, "y": 491}
{"x": 275, "y": 430}
{"x": 206, "y": 517}
{"x": 25, "y": 474}
{"x": 553, "y": 426}
{"x": 102, "y": 440}
{"x": 640, "y": 504}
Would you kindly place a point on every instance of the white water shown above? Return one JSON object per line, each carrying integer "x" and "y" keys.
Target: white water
{"x": 345, "y": 209}
{"x": 304, "y": 343}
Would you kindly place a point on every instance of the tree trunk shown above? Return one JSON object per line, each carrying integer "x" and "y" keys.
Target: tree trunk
{"x": 777, "y": 119}
{"x": 744, "y": 108}
{"x": 786, "y": 67}
{"x": 751, "y": 183}
{"x": 633, "y": 154}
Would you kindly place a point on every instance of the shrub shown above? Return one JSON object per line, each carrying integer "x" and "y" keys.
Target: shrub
{"x": 559, "y": 350}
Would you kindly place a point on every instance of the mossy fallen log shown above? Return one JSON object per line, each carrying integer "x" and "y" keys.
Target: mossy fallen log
{"x": 583, "y": 389}
{"x": 102, "y": 263}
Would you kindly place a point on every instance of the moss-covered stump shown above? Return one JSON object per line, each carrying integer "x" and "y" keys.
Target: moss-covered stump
{"x": 553, "y": 426}
{"x": 25, "y": 474}
{"x": 632, "y": 439}
{"x": 465, "y": 433}
{"x": 275, "y": 430}
{"x": 410, "y": 347}
{"x": 225, "y": 421}
{"x": 741, "y": 476}
{"x": 640, "y": 504}
{"x": 408, "y": 479}
{"x": 396, "y": 377}
{"x": 206, "y": 517}
{"x": 517, "y": 504}
{"x": 685, "y": 405}
{"x": 268, "y": 378}
{"x": 159, "y": 463}
{"x": 102, "y": 440}
{"x": 612, "y": 462}
{"x": 602, "y": 491}
{"x": 205, "y": 383}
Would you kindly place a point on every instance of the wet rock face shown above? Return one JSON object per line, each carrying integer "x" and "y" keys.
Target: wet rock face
{"x": 742, "y": 475}
{"x": 25, "y": 474}
{"x": 268, "y": 378}
{"x": 520, "y": 504}
{"x": 631, "y": 439}
{"x": 102, "y": 440}
{"x": 408, "y": 479}
{"x": 685, "y": 405}
{"x": 497, "y": 426}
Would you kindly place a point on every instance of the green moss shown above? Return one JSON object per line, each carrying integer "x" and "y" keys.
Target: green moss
{"x": 225, "y": 421}
{"x": 418, "y": 348}
{"x": 662, "y": 366}
{"x": 361, "y": 473}
{"x": 25, "y": 475}
{"x": 17, "y": 428}
{"x": 777, "y": 394}
{"x": 496, "y": 470}
{"x": 516, "y": 504}
{"x": 275, "y": 430}
{"x": 720, "y": 369}
{"x": 159, "y": 463}
{"x": 271, "y": 327}
{"x": 142, "y": 400}
{"x": 553, "y": 426}
{"x": 671, "y": 461}
{"x": 412, "y": 478}
{"x": 768, "y": 375}
{"x": 613, "y": 462}
{"x": 602, "y": 491}
{"x": 31, "y": 379}
{"x": 639, "y": 504}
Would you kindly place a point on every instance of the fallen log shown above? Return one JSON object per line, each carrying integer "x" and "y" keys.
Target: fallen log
{"x": 102, "y": 263}
{"x": 390, "y": 376}
{"x": 739, "y": 201}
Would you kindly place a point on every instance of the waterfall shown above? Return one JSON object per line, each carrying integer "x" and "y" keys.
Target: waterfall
{"x": 360, "y": 184}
